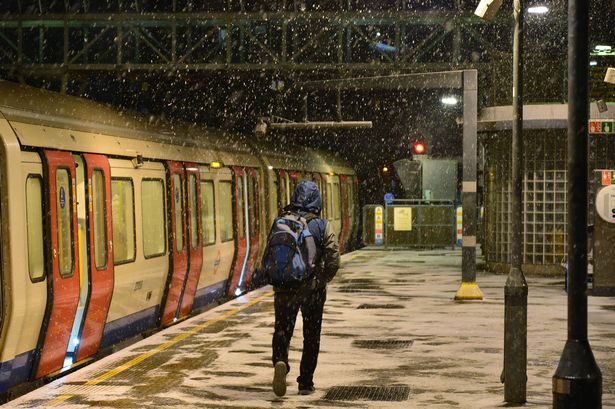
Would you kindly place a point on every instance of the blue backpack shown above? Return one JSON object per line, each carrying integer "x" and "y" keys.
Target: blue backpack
{"x": 290, "y": 255}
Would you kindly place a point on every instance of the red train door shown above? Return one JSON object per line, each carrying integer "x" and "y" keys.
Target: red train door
{"x": 254, "y": 223}
{"x": 195, "y": 237}
{"x": 344, "y": 201}
{"x": 99, "y": 235}
{"x": 63, "y": 282}
{"x": 178, "y": 246}
{"x": 241, "y": 233}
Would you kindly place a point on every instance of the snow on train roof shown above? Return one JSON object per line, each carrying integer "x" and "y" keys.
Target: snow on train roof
{"x": 25, "y": 106}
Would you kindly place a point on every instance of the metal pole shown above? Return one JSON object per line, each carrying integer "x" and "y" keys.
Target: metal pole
{"x": 515, "y": 290}
{"x": 469, "y": 290}
{"x": 577, "y": 382}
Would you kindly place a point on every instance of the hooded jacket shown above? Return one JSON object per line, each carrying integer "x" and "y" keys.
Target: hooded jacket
{"x": 307, "y": 202}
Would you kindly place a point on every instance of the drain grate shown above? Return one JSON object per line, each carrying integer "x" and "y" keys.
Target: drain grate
{"x": 373, "y": 393}
{"x": 379, "y": 306}
{"x": 382, "y": 343}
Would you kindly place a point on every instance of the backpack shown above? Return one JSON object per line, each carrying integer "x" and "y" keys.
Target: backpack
{"x": 290, "y": 255}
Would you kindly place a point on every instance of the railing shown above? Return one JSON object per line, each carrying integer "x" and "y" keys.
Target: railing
{"x": 410, "y": 223}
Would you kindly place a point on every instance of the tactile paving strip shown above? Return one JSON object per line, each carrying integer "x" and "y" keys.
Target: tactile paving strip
{"x": 382, "y": 343}
{"x": 371, "y": 393}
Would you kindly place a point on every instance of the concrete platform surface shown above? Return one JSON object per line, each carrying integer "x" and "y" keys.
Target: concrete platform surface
{"x": 391, "y": 331}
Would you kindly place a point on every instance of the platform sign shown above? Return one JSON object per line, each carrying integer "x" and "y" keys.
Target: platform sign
{"x": 602, "y": 126}
{"x": 608, "y": 177}
{"x": 378, "y": 226}
{"x": 402, "y": 219}
{"x": 459, "y": 213}
{"x": 388, "y": 198}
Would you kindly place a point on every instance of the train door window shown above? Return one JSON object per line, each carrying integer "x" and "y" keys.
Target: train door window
{"x": 179, "y": 220}
{"x": 289, "y": 188}
{"x": 65, "y": 222}
{"x": 241, "y": 209}
{"x": 194, "y": 217}
{"x": 336, "y": 200}
{"x": 34, "y": 220}
{"x": 252, "y": 204}
{"x": 225, "y": 208}
{"x": 99, "y": 216}
{"x": 123, "y": 216}
{"x": 207, "y": 212}
{"x": 152, "y": 211}
{"x": 329, "y": 201}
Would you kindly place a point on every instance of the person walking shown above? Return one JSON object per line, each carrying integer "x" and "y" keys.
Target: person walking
{"x": 308, "y": 295}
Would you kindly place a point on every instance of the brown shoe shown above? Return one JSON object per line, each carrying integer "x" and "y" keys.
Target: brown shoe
{"x": 279, "y": 378}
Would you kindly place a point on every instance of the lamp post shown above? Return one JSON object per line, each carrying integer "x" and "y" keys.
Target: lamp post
{"x": 515, "y": 290}
{"x": 577, "y": 382}
{"x": 514, "y": 374}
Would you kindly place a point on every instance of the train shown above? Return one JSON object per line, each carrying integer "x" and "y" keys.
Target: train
{"x": 114, "y": 225}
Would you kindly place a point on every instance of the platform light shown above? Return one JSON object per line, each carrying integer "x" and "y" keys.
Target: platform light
{"x": 538, "y": 10}
{"x": 269, "y": 167}
{"x": 487, "y": 9}
{"x": 331, "y": 173}
{"x": 215, "y": 165}
{"x": 385, "y": 169}
{"x": 603, "y": 48}
{"x": 450, "y": 100}
{"x": 593, "y": 63}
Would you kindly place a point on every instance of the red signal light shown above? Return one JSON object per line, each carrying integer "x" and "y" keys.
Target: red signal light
{"x": 418, "y": 148}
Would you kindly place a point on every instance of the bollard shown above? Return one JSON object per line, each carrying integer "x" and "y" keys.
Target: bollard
{"x": 515, "y": 337}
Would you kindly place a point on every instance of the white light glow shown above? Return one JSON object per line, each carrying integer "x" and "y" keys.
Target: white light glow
{"x": 449, "y": 100}
{"x": 270, "y": 167}
{"x": 593, "y": 63}
{"x": 538, "y": 10}
{"x": 603, "y": 48}
{"x": 238, "y": 291}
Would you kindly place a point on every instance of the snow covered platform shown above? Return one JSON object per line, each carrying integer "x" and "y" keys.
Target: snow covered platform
{"x": 392, "y": 338}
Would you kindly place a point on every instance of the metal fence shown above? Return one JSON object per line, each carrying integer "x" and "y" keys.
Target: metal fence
{"x": 411, "y": 223}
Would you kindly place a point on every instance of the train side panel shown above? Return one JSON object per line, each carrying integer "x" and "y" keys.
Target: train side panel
{"x": 218, "y": 240}
{"x": 140, "y": 273}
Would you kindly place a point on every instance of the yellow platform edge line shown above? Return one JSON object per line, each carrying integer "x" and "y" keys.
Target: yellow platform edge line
{"x": 59, "y": 399}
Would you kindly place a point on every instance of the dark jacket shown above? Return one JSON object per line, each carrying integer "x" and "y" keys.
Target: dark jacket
{"x": 307, "y": 203}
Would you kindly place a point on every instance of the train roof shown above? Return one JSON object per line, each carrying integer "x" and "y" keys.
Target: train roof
{"x": 43, "y": 118}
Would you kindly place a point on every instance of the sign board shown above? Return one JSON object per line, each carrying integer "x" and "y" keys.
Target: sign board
{"x": 459, "y": 214}
{"x": 378, "y": 226}
{"x": 602, "y": 126}
{"x": 388, "y": 198}
{"x": 608, "y": 177}
{"x": 402, "y": 219}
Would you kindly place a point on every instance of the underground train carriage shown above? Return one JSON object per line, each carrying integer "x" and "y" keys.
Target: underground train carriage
{"x": 80, "y": 269}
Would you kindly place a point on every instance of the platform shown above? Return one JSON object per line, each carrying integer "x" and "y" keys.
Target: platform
{"x": 392, "y": 338}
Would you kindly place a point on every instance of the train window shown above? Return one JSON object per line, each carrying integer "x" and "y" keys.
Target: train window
{"x": 194, "y": 217}
{"x": 64, "y": 222}
{"x": 34, "y": 219}
{"x": 207, "y": 212}
{"x": 123, "y": 217}
{"x": 252, "y": 204}
{"x": 336, "y": 201}
{"x": 225, "y": 209}
{"x": 99, "y": 219}
{"x": 152, "y": 212}
{"x": 329, "y": 201}
{"x": 241, "y": 209}
{"x": 179, "y": 212}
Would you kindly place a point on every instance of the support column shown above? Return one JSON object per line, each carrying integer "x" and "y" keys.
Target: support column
{"x": 577, "y": 382}
{"x": 468, "y": 290}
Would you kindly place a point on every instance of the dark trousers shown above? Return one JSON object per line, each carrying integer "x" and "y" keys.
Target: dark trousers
{"x": 287, "y": 305}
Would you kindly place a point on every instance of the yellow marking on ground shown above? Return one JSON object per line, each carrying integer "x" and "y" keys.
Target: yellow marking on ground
{"x": 60, "y": 399}
{"x": 179, "y": 338}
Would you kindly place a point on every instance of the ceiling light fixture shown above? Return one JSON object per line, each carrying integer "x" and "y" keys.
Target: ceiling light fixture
{"x": 538, "y": 10}
{"x": 449, "y": 100}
